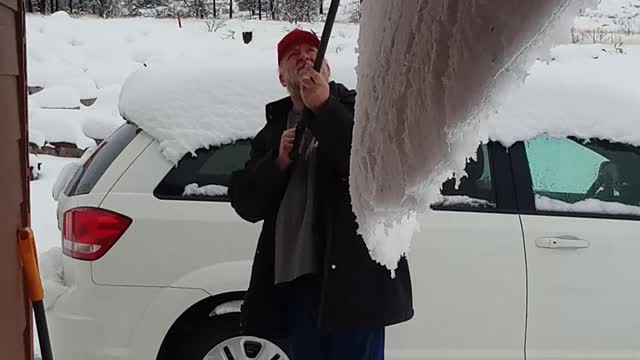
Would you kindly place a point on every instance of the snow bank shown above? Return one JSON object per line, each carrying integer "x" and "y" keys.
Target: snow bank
{"x": 430, "y": 74}
{"x": 589, "y": 206}
{"x": 60, "y": 126}
{"x": 50, "y": 263}
{"x": 56, "y": 97}
{"x": 45, "y": 226}
{"x": 207, "y": 190}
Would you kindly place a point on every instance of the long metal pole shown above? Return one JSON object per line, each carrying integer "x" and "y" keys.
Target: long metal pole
{"x": 322, "y": 49}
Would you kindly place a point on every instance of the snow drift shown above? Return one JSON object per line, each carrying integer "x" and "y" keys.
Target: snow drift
{"x": 430, "y": 74}
{"x": 51, "y": 273}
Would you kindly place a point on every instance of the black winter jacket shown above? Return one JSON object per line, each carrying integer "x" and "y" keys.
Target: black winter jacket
{"x": 355, "y": 291}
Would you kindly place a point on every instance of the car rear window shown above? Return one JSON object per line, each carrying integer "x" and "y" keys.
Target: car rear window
{"x": 86, "y": 178}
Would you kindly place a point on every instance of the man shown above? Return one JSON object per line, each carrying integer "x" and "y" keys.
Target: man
{"x": 313, "y": 280}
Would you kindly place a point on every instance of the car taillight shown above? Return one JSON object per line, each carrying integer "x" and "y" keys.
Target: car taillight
{"x": 88, "y": 233}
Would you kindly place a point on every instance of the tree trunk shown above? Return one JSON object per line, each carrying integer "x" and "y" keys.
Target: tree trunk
{"x": 29, "y": 6}
{"x": 259, "y": 10}
{"x": 215, "y": 12}
{"x": 272, "y": 8}
{"x": 52, "y": 6}
{"x": 70, "y": 6}
{"x": 322, "y": 8}
{"x": 230, "y": 9}
{"x": 57, "y": 5}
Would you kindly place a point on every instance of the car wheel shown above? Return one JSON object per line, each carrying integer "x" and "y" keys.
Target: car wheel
{"x": 220, "y": 338}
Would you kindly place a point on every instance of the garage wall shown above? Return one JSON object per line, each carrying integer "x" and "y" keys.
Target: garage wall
{"x": 15, "y": 323}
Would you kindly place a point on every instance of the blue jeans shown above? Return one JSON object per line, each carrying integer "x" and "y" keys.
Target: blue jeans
{"x": 306, "y": 342}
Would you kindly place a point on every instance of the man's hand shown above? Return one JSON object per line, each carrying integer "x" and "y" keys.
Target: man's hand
{"x": 286, "y": 144}
{"x": 314, "y": 88}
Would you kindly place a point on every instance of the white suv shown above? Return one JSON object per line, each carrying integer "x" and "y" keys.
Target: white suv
{"x": 535, "y": 254}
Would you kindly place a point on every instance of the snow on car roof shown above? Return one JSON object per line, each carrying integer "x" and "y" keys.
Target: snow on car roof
{"x": 191, "y": 106}
{"x": 585, "y": 92}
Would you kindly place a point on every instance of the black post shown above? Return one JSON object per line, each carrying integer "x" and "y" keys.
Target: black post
{"x": 322, "y": 49}
{"x": 43, "y": 330}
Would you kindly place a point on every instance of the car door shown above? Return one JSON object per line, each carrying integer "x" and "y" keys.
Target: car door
{"x": 580, "y": 205}
{"x": 468, "y": 271}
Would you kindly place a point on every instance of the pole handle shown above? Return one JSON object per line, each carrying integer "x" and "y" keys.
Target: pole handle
{"x": 29, "y": 258}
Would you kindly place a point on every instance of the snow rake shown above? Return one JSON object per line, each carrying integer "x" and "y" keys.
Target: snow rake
{"x": 303, "y": 124}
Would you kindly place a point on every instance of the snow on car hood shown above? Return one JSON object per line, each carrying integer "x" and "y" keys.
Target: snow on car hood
{"x": 430, "y": 75}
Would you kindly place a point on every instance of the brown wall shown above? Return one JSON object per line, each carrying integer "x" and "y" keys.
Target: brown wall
{"x": 15, "y": 320}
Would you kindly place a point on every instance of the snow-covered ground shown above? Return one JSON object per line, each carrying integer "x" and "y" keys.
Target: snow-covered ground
{"x": 43, "y": 206}
{"x": 613, "y": 20}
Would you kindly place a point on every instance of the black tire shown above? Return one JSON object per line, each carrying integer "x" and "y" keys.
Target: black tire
{"x": 196, "y": 343}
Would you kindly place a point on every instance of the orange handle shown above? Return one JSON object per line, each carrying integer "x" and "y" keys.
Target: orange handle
{"x": 29, "y": 257}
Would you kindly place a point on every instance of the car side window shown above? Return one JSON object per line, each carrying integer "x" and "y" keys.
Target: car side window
{"x": 206, "y": 176}
{"x": 473, "y": 190}
{"x": 589, "y": 177}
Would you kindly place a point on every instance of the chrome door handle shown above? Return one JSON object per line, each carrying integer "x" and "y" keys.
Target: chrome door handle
{"x": 562, "y": 242}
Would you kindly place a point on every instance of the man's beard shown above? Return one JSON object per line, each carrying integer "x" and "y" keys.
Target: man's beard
{"x": 293, "y": 86}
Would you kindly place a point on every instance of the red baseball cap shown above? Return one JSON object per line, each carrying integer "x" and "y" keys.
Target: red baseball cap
{"x": 296, "y": 37}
